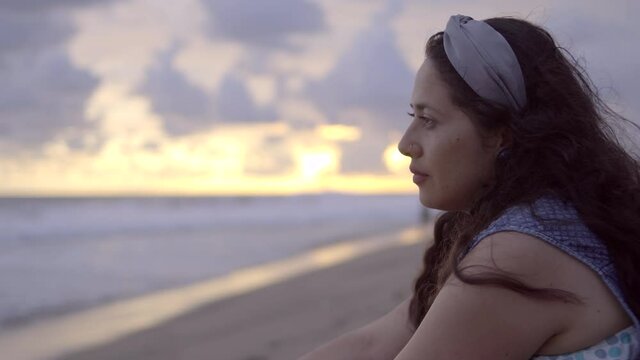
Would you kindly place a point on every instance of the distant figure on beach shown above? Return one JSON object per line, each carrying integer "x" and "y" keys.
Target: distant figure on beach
{"x": 536, "y": 254}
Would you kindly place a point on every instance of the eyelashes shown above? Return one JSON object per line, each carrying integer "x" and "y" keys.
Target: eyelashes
{"x": 425, "y": 120}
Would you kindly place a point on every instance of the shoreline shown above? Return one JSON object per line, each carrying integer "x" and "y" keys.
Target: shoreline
{"x": 120, "y": 321}
{"x": 43, "y": 314}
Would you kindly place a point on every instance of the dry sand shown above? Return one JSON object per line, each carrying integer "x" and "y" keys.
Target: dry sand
{"x": 282, "y": 321}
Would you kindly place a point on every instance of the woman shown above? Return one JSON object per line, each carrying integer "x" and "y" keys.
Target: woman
{"x": 538, "y": 252}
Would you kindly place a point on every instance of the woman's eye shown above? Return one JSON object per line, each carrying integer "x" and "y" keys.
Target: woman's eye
{"x": 425, "y": 120}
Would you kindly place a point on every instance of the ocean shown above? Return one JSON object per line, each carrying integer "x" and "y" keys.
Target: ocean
{"x": 59, "y": 255}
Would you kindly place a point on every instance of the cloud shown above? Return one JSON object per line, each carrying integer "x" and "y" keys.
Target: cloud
{"x": 369, "y": 87}
{"x": 245, "y": 65}
{"x": 235, "y": 104}
{"x": 300, "y": 113}
{"x": 263, "y": 23}
{"x": 118, "y": 43}
{"x": 25, "y": 34}
{"x": 40, "y": 6}
{"x": 40, "y": 97}
{"x": 370, "y": 75}
{"x": 43, "y": 93}
{"x": 205, "y": 62}
{"x": 317, "y": 53}
{"x": 184, "y": 107}
{"x": 365, "y": 155}
{"x": 270, "y": 156}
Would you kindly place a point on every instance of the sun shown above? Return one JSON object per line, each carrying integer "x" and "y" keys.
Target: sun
{"x": 394, "y": 161}
{"x": 316, "y": 163}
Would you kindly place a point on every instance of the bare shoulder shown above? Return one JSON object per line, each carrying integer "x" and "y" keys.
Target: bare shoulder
{"x": 540, "y": 264}
{"x": 526, "y": 257}
{"x": 490, "y": 322}
{"x": 598, "y": 316}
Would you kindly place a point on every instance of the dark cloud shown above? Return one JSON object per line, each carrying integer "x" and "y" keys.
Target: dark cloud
{"x": 184, "y": 107}
{"x": 42, "y": 92}
{"x": 235, "y": 104}
{"x": 40, "y": 96}
{"x": 371, "y": 75}
{"x": 27, "y": 34}
{"x": 263, "y": 23}
{"x": 46, "y": 5}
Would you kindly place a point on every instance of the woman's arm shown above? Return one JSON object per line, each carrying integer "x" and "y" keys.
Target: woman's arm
{"x": 381, "y": 339}
{"x": 353, "y": 345}
{"x": 477, "y": 322}
{"x": 390, "y": 333}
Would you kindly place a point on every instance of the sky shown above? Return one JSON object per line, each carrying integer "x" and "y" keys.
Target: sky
{"x": 241, "y": 97}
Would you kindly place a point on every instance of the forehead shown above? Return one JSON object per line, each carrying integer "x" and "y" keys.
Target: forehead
{"x": 429, "y": 90}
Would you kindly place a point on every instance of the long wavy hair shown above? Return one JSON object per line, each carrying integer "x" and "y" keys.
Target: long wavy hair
{"x": 562, "y": 143}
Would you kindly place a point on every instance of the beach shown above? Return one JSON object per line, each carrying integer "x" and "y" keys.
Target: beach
{"x": 279, "y": 310}
{"x": 282, "y": 321}
{"x": 265, "y": 287}
{"x": 62, "y": 255}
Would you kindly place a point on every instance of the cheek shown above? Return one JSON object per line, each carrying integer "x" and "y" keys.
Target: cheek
{"x": 447, "y": 153}
{"x": 457, "y": 160}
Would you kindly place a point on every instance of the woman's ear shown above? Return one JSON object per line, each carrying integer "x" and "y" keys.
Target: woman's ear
{"x": 499, "y": 139}
{"x": 507, "y": 137}
{"x": 506, "y": 142}
{"x": 504, "y": 138}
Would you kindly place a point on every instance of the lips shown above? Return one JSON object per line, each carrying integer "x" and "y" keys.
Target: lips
{"x": 418, "y": 177}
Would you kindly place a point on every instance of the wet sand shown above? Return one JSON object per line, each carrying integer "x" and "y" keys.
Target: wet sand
{"x": 283, "y": 320}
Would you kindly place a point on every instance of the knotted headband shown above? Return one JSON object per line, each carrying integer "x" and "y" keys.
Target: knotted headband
{"x": 485, "y": 60}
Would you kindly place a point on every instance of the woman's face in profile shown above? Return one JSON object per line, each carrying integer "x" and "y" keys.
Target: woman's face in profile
{"x": 447, "y": 146}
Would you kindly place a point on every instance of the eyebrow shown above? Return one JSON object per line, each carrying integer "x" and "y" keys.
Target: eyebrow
{"x": 422, "y": 106}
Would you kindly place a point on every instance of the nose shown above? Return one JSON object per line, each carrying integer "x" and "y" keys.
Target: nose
{"x": 409, "y": 148}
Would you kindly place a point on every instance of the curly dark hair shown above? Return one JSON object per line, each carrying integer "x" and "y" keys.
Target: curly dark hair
{"x": 563, "y": 143}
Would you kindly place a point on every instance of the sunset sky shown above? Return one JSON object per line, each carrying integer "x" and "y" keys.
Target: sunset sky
{"x": 229, "y": 97}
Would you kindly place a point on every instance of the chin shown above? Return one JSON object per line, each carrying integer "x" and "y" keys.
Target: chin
{"x": 428, "y": 201}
